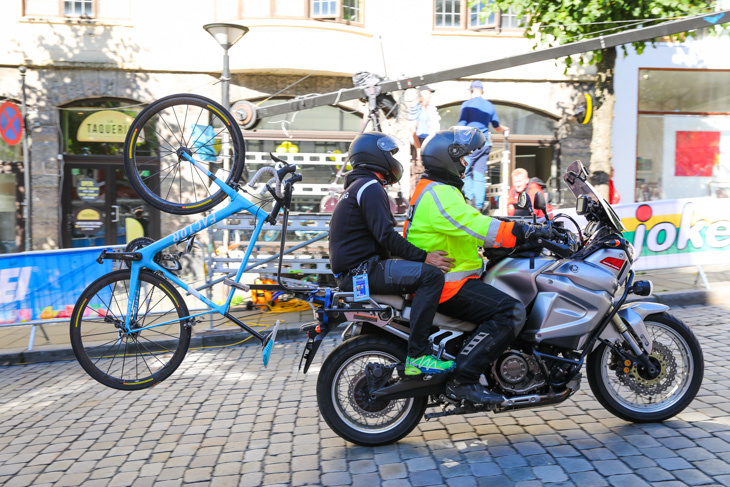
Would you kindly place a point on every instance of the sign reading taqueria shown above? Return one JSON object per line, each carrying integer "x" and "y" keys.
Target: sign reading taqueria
{"x": 104, "y": 126}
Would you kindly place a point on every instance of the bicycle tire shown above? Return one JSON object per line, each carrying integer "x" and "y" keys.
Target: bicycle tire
{"x": 96, "y": 336}
{"x": 158, "y": 136}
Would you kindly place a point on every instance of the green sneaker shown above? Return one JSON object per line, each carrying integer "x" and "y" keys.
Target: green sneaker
{"x": 428, "y": 364}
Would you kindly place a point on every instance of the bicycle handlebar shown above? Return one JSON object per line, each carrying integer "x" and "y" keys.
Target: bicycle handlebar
{"x": 276, "y": 178}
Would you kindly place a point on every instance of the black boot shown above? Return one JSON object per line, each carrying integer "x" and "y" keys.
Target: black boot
{"x": 475, "y": 393}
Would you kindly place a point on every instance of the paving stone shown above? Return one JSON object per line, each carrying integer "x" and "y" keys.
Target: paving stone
{"x": 425, "y": 477}
{"x": 628, "y": 479}
{"x": 588, "y": 479}
{"x": 393, "y": 471}
{"x": 550, "y": 473}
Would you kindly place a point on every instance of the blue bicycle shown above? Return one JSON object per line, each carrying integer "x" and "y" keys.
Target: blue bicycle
{"x": 183, "y": 154}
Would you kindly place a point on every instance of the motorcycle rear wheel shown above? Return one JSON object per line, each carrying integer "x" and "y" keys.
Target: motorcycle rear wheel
{"x": 343, "y": 395}
{"x": 641, "y": 400}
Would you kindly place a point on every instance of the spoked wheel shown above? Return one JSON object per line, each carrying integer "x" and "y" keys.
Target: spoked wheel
{"x": 161, "y": 136}
{"x": 635, "y": 395}
{"x": 344, "y": 396}
{"x": 135, "y": 360}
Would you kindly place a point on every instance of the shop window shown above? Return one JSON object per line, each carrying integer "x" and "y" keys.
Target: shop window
{"x": 458, "y": 14}
{"x": 82, "y": 9}
{"x": 98, "y": 127}
{"x": 683, "y": 131}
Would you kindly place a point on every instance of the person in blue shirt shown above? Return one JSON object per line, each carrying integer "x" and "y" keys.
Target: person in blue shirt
{"x": 479, "y": 112}
{"x": 423, "y": 120}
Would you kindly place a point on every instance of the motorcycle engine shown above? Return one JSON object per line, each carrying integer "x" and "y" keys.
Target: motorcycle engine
{"x": 517, "y": 372}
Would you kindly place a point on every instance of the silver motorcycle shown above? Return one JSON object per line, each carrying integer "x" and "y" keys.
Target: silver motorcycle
{"x": 642, "y": 363}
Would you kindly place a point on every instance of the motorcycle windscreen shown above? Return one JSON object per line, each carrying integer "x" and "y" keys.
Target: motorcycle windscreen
{"x": 576, "y": 179}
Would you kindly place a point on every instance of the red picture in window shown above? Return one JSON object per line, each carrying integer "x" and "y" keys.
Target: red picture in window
{"x": 697, "y": 153}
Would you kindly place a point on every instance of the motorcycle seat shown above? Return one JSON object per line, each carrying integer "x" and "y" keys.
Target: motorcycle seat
{"x": 440, "y": 320}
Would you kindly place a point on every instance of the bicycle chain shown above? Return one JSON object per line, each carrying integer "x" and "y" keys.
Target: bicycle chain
{"x": 653, "y": 387}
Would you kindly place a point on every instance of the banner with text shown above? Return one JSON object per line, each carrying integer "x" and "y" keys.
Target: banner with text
{"x": 675, "y": 233}
{"x": 46, "y": 285}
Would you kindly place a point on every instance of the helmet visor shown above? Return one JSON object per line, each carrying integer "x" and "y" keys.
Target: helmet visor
{"x": 390, "y": 144}
{"x": 464, "y": 136}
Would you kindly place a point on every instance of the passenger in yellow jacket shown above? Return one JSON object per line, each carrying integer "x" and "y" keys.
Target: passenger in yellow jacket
{"x": 440, "y": 218}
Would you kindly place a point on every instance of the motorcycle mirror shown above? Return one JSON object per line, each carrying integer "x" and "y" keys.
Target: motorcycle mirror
{"x": 581, "y": 205}
{"x": 540, "y": 203}
{"x": 523, "y": 201}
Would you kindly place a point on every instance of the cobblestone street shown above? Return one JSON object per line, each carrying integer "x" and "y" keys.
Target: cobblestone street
{"x": 222, "y": 419}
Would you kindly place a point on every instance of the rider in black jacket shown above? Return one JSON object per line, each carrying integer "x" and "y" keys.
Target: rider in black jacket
{"x": 363, "y": 238}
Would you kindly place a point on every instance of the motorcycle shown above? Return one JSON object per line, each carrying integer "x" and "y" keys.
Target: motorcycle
{"x": 642, "y": 363}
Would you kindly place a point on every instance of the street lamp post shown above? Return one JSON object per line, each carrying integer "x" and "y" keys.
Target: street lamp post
{"x": 226, "y": 35}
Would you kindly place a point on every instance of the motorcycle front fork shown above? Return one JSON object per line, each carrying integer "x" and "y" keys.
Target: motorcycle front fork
{"x": 641, "y": 355}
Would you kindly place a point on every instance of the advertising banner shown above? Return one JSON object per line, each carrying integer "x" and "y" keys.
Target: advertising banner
{"x": 677, "y": 233}
{"x": 46, "y": 285}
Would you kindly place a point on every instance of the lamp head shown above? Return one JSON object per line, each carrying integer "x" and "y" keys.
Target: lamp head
{"x": 226, "y": 34}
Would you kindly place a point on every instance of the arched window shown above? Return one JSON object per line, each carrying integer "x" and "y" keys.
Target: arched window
{"x": 97, "y": 126}
{"x": 520, "y": 120}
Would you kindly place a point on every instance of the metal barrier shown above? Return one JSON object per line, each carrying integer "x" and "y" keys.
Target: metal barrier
{"x": 304, "y": 230}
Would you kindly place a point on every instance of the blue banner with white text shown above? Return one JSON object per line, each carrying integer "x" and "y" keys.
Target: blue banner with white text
{"x": 46, "y": 285}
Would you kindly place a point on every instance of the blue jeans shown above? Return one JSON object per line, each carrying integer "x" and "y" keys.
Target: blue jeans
{"x": 474, "y": 187}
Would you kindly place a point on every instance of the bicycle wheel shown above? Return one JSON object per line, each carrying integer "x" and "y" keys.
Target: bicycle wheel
{"x": 157, "y": 139}
{"x": 129, "y": 361}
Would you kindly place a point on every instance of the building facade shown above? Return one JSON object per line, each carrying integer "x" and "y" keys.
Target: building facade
{"x": 671, "y": 130}
{"x": 93, "y": 64}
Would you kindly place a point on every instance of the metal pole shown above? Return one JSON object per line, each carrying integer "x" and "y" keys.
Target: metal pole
{"x": 225, "y": 101}
{"x": 26, "y": 172}
{"x": 504, "y": 193}
{"x": 225, "y": 78}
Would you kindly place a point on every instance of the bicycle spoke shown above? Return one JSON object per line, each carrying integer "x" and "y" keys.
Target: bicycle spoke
{"x": 170, "y": 128}
{"x": 143, "y": 359}
{"x": 150, "y": 352}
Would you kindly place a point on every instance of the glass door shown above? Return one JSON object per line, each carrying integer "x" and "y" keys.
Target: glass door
{"x": 101, "y": 208}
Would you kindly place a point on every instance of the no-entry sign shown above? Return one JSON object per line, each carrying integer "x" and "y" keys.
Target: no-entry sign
{"x": 11, "y": 123}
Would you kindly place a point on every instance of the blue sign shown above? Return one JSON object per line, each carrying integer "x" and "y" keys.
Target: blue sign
{"x": 46, "y": 285}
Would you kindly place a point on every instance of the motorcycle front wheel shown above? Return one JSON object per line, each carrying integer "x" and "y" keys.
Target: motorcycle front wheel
{"x": 344, "y": 396}
{"x": 635, "y": 397}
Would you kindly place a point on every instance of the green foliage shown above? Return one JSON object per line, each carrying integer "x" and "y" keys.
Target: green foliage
{"x": 555, "y": 22}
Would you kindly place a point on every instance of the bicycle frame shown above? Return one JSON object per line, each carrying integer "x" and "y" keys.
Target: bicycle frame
{"x": 237, "y": 203}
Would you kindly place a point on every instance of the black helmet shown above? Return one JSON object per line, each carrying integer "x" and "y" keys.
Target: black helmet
{"x": 442, "y": 152}
{"x": 374, "y": 151}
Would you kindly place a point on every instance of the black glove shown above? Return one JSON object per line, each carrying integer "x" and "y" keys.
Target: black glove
{"x": 527, "y": 232}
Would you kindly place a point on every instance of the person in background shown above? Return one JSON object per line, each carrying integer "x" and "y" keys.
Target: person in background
{"x": 423, "y": 120}
{"x": 520, "y": 182}
{"x": 479, "y": 112}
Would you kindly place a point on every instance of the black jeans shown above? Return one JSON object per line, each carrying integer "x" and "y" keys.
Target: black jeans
{"x": 404, "y": 277}
{"x": 500, "y": 316}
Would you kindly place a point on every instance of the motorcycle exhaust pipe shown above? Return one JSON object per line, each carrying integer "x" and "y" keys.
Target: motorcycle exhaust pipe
{"x": 534, "y": 400}
{"x": 422, "y": 386}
